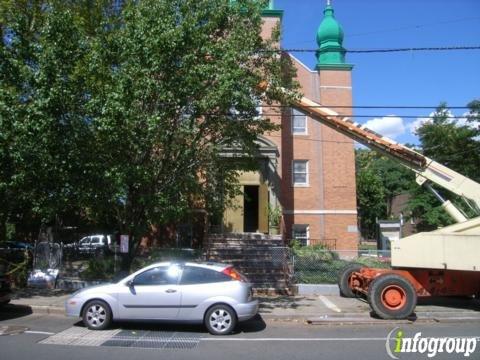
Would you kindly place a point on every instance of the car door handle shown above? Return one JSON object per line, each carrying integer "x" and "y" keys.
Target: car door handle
{"x": 170, "y": 291}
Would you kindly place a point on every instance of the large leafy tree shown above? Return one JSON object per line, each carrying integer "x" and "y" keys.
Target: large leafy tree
{"x": 43, "y": 128}
{"x": 118, "y": 111}
{"x": 370, "y": 194}
{"x": 456, "y": 145}
{"x": 452, "y": 142}
{"x": 379, "y": 180}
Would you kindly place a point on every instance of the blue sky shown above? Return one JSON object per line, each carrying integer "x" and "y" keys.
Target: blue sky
{"x": 393, "y": 79}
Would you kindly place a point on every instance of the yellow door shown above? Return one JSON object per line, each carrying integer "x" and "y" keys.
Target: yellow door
{"x": 263, "y": 208}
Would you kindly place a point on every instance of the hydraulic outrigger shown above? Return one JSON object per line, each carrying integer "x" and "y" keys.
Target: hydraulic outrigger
{"x": 444, "y": 262}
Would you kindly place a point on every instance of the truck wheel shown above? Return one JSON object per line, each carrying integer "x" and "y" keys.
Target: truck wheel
{"x": 344, "y": 280}
{"x": 391, "y": 296}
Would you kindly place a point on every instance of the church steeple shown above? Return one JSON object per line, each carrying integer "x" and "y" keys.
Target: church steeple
{"x": 330, "y": 53}
{"x": 270, "y": 10}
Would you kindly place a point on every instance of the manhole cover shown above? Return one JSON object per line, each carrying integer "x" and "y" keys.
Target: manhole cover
{"x": 12, "y": 330}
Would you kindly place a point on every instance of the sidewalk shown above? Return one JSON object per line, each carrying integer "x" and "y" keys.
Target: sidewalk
{"x": 313, "y": 309}
{"x": 334, "y": 309}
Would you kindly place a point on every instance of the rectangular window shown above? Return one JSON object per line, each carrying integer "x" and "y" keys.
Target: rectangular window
{"x": 161, "y": 275}
{"x": 300, "y": 233}
{"x": 300, "y": 173}
{"x": 197, "y": 275}
{"x": 299, "y": 123}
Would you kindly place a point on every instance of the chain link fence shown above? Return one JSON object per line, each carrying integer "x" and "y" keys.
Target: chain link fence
{"x": 322, "y": 266}
{"x": 15, "y": 263}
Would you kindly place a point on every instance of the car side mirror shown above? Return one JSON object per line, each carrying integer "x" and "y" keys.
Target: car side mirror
{"x": 130, "y": 283}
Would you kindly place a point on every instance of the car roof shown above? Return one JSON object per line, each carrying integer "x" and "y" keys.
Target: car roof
{"x": 204, "y": 264}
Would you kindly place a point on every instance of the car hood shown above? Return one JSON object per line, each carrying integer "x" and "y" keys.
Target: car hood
{"x": 94, "y": 288}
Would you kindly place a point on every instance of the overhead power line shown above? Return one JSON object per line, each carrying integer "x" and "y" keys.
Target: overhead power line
{"x": 403, "y": 28}
{"x": 366, "y": 106}
{"x": 368, "y": 51}
{"x": 368, "y": 116}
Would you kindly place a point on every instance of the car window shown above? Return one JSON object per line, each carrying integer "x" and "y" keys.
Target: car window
{"x": 84, "y": 241}
{"x": 95, "y": 240}
{"x": 163, "y": 275}
{"x": 199, "y": 275}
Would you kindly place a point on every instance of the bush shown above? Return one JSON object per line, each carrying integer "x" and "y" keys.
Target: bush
{"x": 16, "y": 264}
{"x": 99, "y": 269}
{"x": 316, "y": 265}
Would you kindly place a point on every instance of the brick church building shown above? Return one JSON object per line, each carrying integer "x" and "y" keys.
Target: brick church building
{"x": 307, "y": 170}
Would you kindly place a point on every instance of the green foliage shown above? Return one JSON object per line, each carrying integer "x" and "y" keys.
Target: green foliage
{"x": 274, "y": 215}
{"x": 427, "y": 210}
{"x": 99, "y": 269}
{"x": 379, "y": 180}
{"x": 15, "y": 264}
{"x": 118, "y": 115}
{"x": 451, "y": 143}
{"x": 455, "y": 145}
{"x": 320, "y": 266}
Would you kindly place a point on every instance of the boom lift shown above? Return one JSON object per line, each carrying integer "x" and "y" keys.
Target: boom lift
{"x": 444, "y": 262}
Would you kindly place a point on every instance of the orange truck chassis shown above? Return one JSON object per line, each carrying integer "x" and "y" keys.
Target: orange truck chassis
{"x": 393, "y": 293}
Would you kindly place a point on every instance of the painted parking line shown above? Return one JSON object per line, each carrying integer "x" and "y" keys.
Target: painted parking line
{"x": 295, "y": 339}
{"x": 39, "y": 332}
{"x": 169, "y": 340}
{"x": 79, "y": 336}
{"x": 329, "y": 304}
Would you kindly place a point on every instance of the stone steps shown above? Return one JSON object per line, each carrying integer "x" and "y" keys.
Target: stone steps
{"x": 262, "y": 259}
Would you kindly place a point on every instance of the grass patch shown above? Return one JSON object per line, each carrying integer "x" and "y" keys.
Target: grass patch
{"x": 319, "y": 266}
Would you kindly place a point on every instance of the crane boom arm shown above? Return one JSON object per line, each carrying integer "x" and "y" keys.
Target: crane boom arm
{"x": 424, "y": 167}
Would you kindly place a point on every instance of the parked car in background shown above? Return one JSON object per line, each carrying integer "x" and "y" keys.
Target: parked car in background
{"x": 93, "y": 244}
{"x": 210, "y": 293}
{"x": 16, "y": 245}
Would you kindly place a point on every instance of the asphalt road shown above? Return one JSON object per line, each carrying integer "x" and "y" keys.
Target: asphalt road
{"x": 51, "y": 337}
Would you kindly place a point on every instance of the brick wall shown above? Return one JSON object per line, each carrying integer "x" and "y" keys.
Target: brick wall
{"x": 328, "y": 203}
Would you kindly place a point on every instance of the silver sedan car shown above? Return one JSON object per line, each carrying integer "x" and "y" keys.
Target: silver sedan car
{"x": 210, "y": 293}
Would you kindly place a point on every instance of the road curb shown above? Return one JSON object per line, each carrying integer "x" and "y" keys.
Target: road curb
{"x": 312, "y": 319}
{"x": 367, "y": 319}
{"x": 35, "y": 309}
{"x": 41, "y": 309}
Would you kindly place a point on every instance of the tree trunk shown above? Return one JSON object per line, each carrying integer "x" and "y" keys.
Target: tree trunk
{"x": 3, "y": 228}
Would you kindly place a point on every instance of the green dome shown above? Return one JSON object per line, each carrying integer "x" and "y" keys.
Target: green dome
{"x": 330, "y": 53}
{"x": 329, "y": 30}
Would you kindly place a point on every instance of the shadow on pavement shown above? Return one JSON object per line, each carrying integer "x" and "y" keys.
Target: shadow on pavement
{"x": 283, "y": 302}
{"x": 255, "y": 324}
{"x": 31, "y": 292}
{"x": 10, "y": 311}
{"x": 453, "y": 302}
{"x": 413, "y": 317}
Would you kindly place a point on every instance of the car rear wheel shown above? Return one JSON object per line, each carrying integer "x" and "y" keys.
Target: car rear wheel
{"x": 97, "y": 315}
{"x": 220, "y": 320}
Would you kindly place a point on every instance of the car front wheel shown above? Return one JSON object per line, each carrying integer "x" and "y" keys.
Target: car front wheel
{"x": 220, "y": 320}
{"x": 97, "y": 315}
